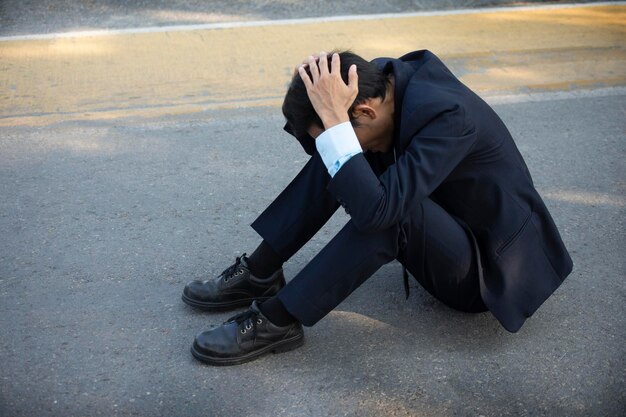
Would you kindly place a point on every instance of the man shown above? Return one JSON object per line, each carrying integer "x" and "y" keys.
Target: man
{"x": 429, "y": 175}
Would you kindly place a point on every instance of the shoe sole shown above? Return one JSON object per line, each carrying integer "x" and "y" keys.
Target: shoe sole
{"x": 279, "y": 347}
{"x": 225, "y": 305}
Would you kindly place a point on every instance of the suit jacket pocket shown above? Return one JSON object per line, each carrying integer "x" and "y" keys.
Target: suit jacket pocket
{"x": 507, "y": 243}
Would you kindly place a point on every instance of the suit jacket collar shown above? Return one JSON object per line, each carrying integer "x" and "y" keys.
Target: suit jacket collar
{"x": 404, "y": 70}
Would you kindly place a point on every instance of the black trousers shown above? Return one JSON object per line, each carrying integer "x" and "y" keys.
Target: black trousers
{"x": 429, "y": 242}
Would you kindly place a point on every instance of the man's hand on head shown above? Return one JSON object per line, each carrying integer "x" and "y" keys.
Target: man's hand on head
{"x": 305, "y": 63}
{"x": 330, "y": 96}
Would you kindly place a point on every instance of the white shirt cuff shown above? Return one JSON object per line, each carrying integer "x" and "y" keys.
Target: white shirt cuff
{"x": 337, "y": 145}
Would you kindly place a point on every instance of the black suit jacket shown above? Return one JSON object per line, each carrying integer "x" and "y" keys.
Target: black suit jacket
{"x": 453, "y": 148}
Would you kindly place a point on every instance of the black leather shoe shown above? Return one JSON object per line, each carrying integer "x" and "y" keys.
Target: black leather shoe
{"x": 234, "y": 287}
{"x": 245, "y": 337}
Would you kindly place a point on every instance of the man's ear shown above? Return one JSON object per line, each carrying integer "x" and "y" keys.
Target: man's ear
{"x": 364, "y": 110}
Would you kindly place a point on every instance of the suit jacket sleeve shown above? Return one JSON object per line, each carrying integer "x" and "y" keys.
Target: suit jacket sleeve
{"x": 434, "y": 151}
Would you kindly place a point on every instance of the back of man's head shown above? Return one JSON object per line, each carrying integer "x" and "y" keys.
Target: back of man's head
{"x": 297, "y": 107}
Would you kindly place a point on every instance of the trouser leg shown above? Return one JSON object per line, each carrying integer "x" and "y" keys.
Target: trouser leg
{"x": 440, "y": 255}
{"x": 436, "y": 248}
{"x": 338, "y": 269}
{"x": 299, "y": 211}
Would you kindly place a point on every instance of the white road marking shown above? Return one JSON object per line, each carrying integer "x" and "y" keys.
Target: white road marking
{"x": 259, "y": 23}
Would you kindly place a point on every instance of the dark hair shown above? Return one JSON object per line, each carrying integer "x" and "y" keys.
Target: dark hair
{"x": 297, "y": 107}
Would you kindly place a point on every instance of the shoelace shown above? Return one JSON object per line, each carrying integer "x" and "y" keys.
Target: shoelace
{"x": 232, "y": 270}
{"x": 250, "y": 319}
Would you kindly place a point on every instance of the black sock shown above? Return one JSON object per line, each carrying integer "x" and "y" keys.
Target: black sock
{"x": 276, "y": 312}
{"x": 264, "y": 261}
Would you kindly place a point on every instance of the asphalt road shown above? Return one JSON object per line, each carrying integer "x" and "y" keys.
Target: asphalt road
{"x": 103, "y": 223}
{"x": 125, "y": 172}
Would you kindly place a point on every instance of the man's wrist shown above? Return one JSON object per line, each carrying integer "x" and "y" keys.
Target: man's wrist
{"x": 334, "y": 120}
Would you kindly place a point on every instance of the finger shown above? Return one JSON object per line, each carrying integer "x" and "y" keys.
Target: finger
{"x": 316, "y": 57}
{"x": 335, "y": 64}
{"x": 315, "y": 74}
{"x": 305, "y": 78}
{"x": 297, "y": 68}
{"x": 353, "y": 80}
{"x": 353, "y": 77}
{"x": 323, "y": 64}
